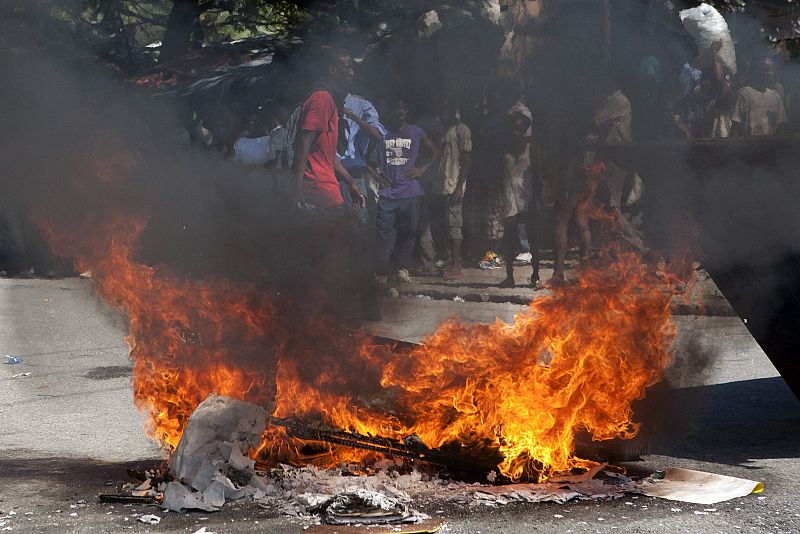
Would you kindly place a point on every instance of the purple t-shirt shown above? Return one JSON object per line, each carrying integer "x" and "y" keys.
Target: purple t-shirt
{"x": 402, "y": 149}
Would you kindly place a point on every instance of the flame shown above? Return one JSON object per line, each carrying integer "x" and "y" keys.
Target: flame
{"x": 574, "y": 360}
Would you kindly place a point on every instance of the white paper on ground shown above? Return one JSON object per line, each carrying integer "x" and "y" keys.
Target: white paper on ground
{"x": 698, "y": 487}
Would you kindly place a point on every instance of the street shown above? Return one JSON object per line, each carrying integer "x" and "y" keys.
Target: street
{"x": 70, "y": 430}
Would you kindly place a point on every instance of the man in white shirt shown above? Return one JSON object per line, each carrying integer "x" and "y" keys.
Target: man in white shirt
{"x": 759, "y": 110}
{"x": 449, "y": 185}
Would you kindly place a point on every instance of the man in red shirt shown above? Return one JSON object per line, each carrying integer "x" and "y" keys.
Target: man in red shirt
{"x": 340, "y": 245}
{"x": 315, "y": 163}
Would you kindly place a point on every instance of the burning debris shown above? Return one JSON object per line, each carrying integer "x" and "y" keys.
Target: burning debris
{"x": 211, "y": 467}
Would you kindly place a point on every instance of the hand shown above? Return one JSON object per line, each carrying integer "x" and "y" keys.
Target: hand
{"x": 350, "y": 113}
{"x": 383, "y": 180}
{"x": 457, "y": 196}
{"x": 359, "y": 200}
{"x": 413, "y": 173}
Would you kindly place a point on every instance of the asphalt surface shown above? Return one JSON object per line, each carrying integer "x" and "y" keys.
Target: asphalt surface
{"x": 69, "y": 429}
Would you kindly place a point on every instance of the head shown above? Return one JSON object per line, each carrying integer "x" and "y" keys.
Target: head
{"x": 770, "y": 72}
{"x": 762, "y": 73}
{"x": 520, "y": 124}
{"x": 397, "y": 114}
{"x": 253, "y": 124}
{"x": 450, "y": 114}
{"x": 340, "y": 70}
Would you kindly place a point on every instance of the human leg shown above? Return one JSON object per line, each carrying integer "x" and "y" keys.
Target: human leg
{"x": 455, "y": 222}
{"x": 584, "y": 233}
{"x": 407, "y": 224}
{"x": 564, "y": 212}
{"x": 386, "y": 234}
{"x": 509, "y": 248}
{"x": 427, "y": 247}
{"x": 534, "y": 226}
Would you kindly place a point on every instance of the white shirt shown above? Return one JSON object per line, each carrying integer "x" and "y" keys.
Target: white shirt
{"x": 457, "y": 139}
{"x": 760, "y": 113}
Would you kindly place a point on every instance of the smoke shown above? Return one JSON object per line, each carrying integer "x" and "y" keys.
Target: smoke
{"x": 82, "y": 147}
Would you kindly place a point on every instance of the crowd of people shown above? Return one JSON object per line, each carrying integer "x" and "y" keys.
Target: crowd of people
{"x": 412, "y": 185}
{"x": 435, "y": 191}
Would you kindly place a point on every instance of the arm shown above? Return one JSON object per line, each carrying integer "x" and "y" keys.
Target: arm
{"x": 433, "y": 155}
{"x": 305, "y": 141}
{"x": 358, "y": 198}
{"x": 371, "y": 131}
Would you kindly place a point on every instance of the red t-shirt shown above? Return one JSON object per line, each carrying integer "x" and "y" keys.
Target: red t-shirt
{"x": 319, "y": 114}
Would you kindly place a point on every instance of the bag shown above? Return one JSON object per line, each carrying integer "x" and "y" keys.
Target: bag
{"x": 706, "y": 26}
{"x": 293, "y": 125}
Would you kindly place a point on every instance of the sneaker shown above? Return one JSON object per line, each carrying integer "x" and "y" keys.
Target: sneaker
{"x": 403, "y": 276}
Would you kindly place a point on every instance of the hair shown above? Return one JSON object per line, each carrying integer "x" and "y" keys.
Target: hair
{"x": 334, "y": 54}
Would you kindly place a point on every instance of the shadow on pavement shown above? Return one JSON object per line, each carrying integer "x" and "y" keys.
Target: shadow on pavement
{"x": 57, "y": 478}
{"x": 729, "y": 423}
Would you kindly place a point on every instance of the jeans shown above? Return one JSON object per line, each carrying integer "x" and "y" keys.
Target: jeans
{"x": 397, "y": 224}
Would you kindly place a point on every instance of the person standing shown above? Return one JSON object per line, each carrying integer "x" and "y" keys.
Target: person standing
{"x": 445, "y": 204}
{"x": 520, "y": 199}
{"x": 399, "y": 203}
{"x": 315, "y": 162}
{"x": 759, "y": 110}
{"x": 337, "y": 243}
{"x": 612, "y": 122}
{"x": 363, "y": 131}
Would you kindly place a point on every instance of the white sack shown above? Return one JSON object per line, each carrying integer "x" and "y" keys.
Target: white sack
{"x": 706, "y": 26}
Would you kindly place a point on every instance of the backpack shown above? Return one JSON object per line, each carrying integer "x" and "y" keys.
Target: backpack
{"x": 294, "y": 121}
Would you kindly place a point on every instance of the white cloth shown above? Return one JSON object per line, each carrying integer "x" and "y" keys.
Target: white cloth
{"x": 516, "y": 193}
{"x": 456, "y": 139}
{"x": 760, "y": 113}
{"x": 251, "y": 151}
{"x": 616, "y": 112}
{"x": 278, "y": 143}
{"x": 520, "y": 107}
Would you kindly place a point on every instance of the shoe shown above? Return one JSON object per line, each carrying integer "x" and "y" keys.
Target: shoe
{"x": 508, "y": 282}
{"x": 381, "y": 279}
{"x": 403, "y": 276}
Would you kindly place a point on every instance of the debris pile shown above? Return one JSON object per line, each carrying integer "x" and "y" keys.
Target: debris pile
{"x": 211, "y": 467}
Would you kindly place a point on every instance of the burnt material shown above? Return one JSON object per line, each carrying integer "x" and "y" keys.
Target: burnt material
{"x": 411, "y": 447}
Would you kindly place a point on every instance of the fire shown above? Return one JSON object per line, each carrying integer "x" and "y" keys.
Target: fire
{"x": 574, "y": 360}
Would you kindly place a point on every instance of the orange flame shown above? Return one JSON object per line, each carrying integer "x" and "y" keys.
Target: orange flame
{"x": 572, "y": 361}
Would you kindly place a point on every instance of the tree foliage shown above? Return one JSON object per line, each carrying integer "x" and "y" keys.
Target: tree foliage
{"x": 129, "y": 32}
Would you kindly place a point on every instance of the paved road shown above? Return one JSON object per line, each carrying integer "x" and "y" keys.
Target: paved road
{"x": 70, "y": 427}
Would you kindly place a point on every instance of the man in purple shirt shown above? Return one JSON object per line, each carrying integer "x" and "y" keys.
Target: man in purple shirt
{"x": 399, "y": 204}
